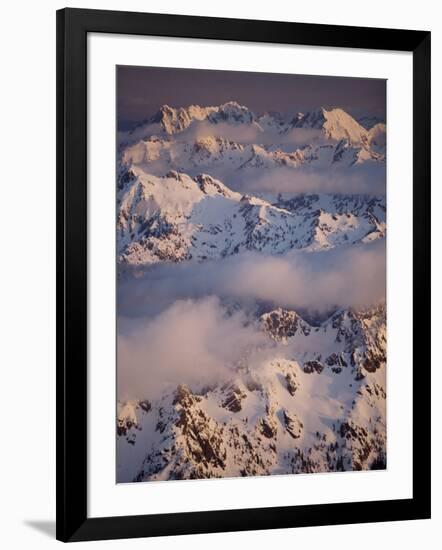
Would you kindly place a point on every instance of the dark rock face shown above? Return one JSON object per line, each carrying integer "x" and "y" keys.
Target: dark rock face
{"x": 363, "y": 333}
{"x": 268, "y": 429}
{"x": 183, "y": 396}
{"x": 205, "y": 182}
{"x": 145, "y": 405}
{"x": 372, "y": 362}
{"x": 359, "y": 375}
{"x": 292, "y": 424}
{"x": 124, "y": 426}
{"x": 121, "y": 429}
{"x": 282, "y": 324}
{"x": 202, "y": 444}
{"x": 313, "y": 366}
{"x": 335, "y": 359}
{"x": 332, "y": 359}
{"x": 204, "y": 439}
{"x": 291, "y": 382}
{"x": 347, "y": 429}
{"x": 363, "y": 446}
{"x": 125, "y": 178}
{"x": 312, "y": 119}
{"x": 340, "y": 150}
{"x": 233, "y": 399}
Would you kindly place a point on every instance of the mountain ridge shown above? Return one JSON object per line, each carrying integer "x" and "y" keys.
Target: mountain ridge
{"x": 266, "y": 421}
{"x": 176, "y": 217}
{"x": 169, "y": 121}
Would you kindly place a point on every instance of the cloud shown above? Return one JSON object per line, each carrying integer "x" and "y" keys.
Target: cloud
{"x": 345, "y": 277}
{"x": 368, "y": 178}
{"x": 193, "y": 323}
{"x": 192, "y": 341}
{"x": 241, "y": 133}
{"x": 301, "y": 136}
{"x": 249, "y": 134}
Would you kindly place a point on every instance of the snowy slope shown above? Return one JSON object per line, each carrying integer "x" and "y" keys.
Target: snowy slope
{"x": 317, "y": 405}
{"x": 336, "y": 124}
{"x": 179, "y": 218}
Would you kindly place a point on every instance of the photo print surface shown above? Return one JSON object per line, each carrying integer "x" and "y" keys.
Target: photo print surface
{"x": 251, "y": 274}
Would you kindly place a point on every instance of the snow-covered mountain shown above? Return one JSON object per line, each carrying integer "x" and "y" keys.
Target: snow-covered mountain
{"x": 231, "y": 133}
{"x": 227, "y": 156}
{"x": 178, "y": 218}
{"x": 336, "y": 124}
{"x": 169, "y": 121}
{"x": 208, "y": 152}
{"x": 309, "y": 395}
{"x": 317, "y": 405}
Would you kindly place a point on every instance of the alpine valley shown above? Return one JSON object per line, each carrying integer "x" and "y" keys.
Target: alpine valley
{"x": 251, "y": 334}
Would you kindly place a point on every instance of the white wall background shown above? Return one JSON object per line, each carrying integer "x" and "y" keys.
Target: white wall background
{"x": 27, "y": 300}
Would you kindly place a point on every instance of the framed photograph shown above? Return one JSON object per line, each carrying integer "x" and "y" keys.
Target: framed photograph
{"x": 243, "y": 285}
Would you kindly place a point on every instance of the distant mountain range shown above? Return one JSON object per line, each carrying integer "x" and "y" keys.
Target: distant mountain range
{"x": 336, "y": 122}
{"x": 199, "y": 137}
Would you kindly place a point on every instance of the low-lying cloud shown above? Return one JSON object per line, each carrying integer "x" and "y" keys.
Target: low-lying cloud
{"x": 249, "y": 134}
{"x": 187, "y": 323}
{"x": 192, "y": 342}
{"x": 368, "y": 178}
{"x": 349, "y": 277}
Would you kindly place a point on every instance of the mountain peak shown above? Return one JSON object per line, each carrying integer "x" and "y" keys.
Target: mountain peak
{"x": 281, "y": 324}
{"x": 232, "y": 112}
{"x": 336, "y": 124}
{"x": 311, "y": 119}
{"x": 232, "y": 105}
{"x": 212, "y": 186}
{"x": 175, "y": 120}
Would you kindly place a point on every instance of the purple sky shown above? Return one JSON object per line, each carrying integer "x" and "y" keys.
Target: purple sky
{"x": 142, "y": 90}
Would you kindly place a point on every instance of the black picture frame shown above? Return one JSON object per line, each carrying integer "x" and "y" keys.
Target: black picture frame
{"x": 73, "y": 25}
